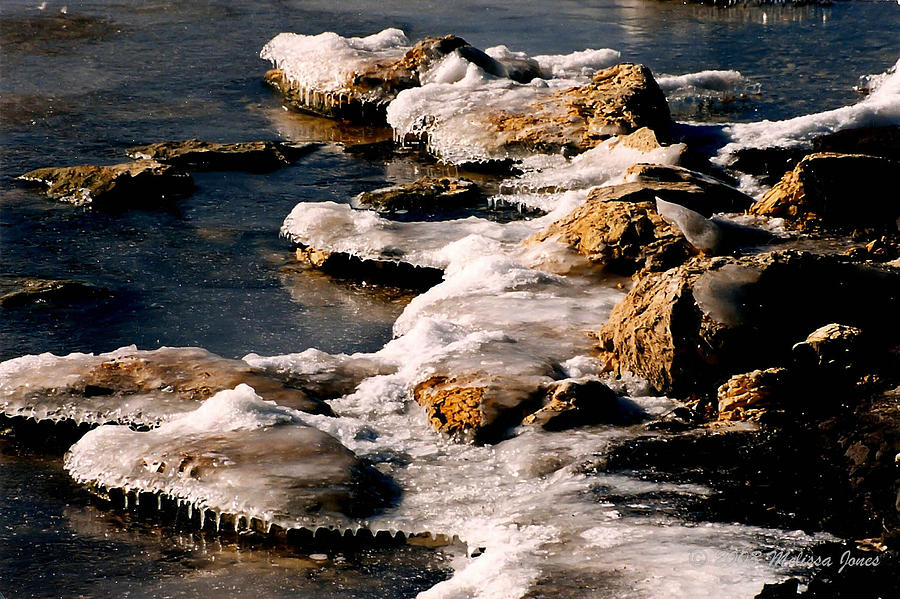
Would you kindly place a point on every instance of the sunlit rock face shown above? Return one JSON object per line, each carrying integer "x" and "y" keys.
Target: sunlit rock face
{"x": 688, "y": 329}
{"x": 236, "y": 459}
{"x": 129, "y": 386}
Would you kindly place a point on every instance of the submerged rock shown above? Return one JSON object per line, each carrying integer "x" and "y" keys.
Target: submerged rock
{"x": 194, "y": 154}
{"x": 237, "y": 461}
{"x": 689, "y": 329}
{"x": 619, "y": 100}
{"x": 129, "y": 386}
{"x": 139, "y": 183}
{"x": 52, "y": 292}
{"x": 426, "y": 194}
{"x": 835, "y": 191}
{"x": 620, "y": 227}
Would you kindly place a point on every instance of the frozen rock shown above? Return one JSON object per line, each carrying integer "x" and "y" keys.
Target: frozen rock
{"x": 621, "y": 228}
{"x": 581, "y": 402}
{"x": 129, "y": 386}
{"x": 619, "y": 100}
{"x": 194, "y": 154}
{"x": 689, "y": 329}
{"x": 837, "y": 191}
{"x": 427, "y": 194}
{"x": 139, "y": 183}
{"x": 365, "y": 78}
{"x": 236, "y": 460}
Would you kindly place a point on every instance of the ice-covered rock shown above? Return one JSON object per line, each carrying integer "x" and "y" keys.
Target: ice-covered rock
{"x": 195, "y": 154}
{"x": 132, "y": 184}
{"x": 129, "y": 386}
{"x": 236, "y": 460}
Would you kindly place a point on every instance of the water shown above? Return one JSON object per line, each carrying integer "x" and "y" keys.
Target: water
{"x": 211, "y": 271}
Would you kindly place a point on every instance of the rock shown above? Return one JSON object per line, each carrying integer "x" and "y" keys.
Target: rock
{"x": 769, "y": 164}
{"x": 834, "y": 347}
{"x": 129, "y": 386}
{"x": 619, "y": 100}
{"x": 53, "y": 292}
{"x": 365, "y": 93}
{"x": 427, "y": 194}
{"x": 743, "y": 394}
{"x": 580, "y": 402}
{"x": 620, "y": 228}
{"x": 236, "y": 461}
{"x": 388, "y": 272}
{"x": 479, "y": 406}
{"x": 194, "y": 154}
{"x": 689, "y": 329}
{"x": 872, "y": 141}
{"x": 835, "y": 191}
{"x": 139, "y": 183}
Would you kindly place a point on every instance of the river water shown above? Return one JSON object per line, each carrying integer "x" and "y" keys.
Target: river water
{"x": 83, "y": 82}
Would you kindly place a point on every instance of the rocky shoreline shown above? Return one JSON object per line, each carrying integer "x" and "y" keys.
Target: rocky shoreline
{"x": 772, "y": 323}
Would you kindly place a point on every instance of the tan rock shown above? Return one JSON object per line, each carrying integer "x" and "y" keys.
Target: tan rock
{"x": 452, "y": 407}
{"x": 619, "y": 100}
{"x": 835, "y": 191}
{"x": 143, "y": 182}
{"x": 755, "y": 390}
{"x": 427, "y": 194}
{"x": 195, "y": 154}
{"x": 579, "y": 402}
{"x": 620, "y": 229}
{"x": 688, "y": 329}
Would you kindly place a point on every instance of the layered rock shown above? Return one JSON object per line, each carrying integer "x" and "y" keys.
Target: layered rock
{"x": 139, "y": 183}
{"x": 129, "y": 386}
{"x": 195, "y": 154}
{"x": 236, "y": 461}
{"x": 52, "y": 292}
{"x": 621, "y": 229}
{"x": 427, "y": 194}
{"x": 690, "y": 328}
{"x": 835, "y": 191}
{"x": 389, "y": 272}
{"x": 619, "y": 100}
{"x": 745, "y": 396}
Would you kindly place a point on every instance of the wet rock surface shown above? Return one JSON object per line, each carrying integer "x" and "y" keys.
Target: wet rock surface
{"x": 195, "y": 154}
{"x": 619, "y": 100}
{"x": 129, "y": 386}
{"x": 427, "y": 194}
{"x": 690, "y": 328}
{"x": 38, "y": 292}
{"x": 390, "y": 272}
{"x": 143, "y": 183}
{"x": 838, "y": 191}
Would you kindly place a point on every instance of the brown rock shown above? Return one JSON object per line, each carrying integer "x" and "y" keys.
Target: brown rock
{"x": 132, "y": 386}
{"x": 143, "y": 182}
{"x": 194, "y": 154}
{"x": 619, "y": 227}
{"x": 619, "y": 100}
{"x": 743, "y": 394}
{"x": 835, "y": 191}
{"x": 579, "y": 402}
{"x": 690, "y": 328}
{"x": 451, "y": 407}
{"x": 834, "y": 346}
{"x": 389, "y": 272}
{"x": 427, "y": 194}
{"x": 872, "y": 141}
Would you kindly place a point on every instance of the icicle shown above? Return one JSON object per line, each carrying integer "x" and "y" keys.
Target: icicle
{"x": 125, "y": 498}
{"x": 159, "y": 501}
{"x": 218, "y": 519}
{"x": 202, "y": 518}
{"x": 190, "y": 510}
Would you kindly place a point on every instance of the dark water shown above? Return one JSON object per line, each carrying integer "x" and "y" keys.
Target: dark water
{"x": 210, "y": 271}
